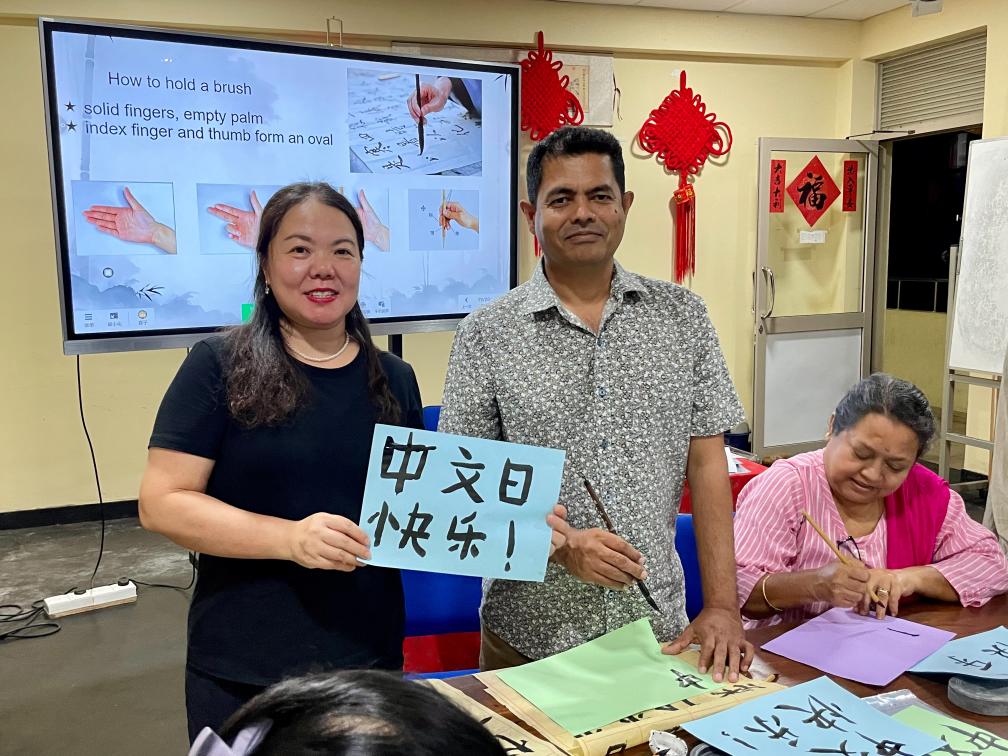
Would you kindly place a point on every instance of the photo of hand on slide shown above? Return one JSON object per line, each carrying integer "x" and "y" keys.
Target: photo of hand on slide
{"x": 131, "y": 223}
{"x": 242, "y": 225}
{"x": 375, "y": 231}
{"x": 453, "y": 211}
{"x": 434, "y": 96}
{"x": 400, "y": 124}
{"x": 443, "y": 219}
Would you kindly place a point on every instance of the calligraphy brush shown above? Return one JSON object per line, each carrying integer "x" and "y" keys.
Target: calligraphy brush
{"x": 836, "y": 549}
{"x": 609, "y": 526}
{"x": 419, "y": 105}
{"x": 441, "y": 218}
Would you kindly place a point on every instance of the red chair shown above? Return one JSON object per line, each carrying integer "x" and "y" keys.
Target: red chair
{"x": 737, "y": 480}
{"x": 442, "y": 613}
{"x": 442, "y": 622}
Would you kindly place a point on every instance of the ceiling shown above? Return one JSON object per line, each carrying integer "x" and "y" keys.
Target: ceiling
{"x": 852, "y": 10}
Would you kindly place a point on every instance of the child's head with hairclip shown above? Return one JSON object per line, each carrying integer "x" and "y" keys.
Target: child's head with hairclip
{"x": 349, "y": 713}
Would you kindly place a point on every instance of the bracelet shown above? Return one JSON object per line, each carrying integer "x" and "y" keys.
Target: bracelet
{"x": 765, "y": 599}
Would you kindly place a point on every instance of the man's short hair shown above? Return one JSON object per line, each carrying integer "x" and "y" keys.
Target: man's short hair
{"x": 573, "y": 140}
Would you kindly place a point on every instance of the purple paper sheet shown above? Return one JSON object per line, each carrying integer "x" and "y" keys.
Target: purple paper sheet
{"x": 864, "y": 649}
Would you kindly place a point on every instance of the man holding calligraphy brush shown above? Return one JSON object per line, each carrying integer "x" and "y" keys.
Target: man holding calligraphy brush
{"x": 626, "y": 374}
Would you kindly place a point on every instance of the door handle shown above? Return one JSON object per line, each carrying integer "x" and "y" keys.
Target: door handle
{"x": 771, "y": 291}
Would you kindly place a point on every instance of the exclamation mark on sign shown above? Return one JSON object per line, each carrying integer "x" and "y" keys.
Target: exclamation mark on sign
{"x": 510, "y": 551}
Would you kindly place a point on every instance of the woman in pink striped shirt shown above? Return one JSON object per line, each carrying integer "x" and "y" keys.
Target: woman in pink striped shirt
{"x": 904, "y": 530}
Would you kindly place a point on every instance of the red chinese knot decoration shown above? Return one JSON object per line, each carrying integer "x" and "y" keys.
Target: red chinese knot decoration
{"x": 546, "y": 103}
{"x": 684, "y": 135}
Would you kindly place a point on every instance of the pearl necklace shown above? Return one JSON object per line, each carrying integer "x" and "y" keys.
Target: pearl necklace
{"x": 320, "y": 359}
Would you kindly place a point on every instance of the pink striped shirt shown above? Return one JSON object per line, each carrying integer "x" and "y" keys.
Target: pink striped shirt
{"x": 772, "y": 536}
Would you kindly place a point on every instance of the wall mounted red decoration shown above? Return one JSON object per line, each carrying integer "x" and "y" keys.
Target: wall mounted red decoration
{"x": 684, "y": 135}
{"x": 778, "y": 171}
{"x": 813, "y": 190}
{"x": 546, "y": 103}
{"x": 850, "y": 181}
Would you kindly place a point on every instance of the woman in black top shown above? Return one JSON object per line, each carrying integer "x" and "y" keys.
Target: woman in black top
{"x": 258, "y": 460}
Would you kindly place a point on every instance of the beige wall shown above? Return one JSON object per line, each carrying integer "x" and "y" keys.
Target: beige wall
{"x": 915, "y": 350}
{"x": 764, "y": 76}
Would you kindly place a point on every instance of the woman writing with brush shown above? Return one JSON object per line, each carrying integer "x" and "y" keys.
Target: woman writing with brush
{"x": 891, "y": 527}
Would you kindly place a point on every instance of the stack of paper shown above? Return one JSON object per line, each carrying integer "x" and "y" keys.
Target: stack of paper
{"x": 981, "y": 655}
{"x": 812, "y": 718}
{"x": 734, "y": 466}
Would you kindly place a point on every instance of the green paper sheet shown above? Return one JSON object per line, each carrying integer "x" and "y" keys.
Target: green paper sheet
{"x": 961, "y": 737}
{"x": 622, "y": 673}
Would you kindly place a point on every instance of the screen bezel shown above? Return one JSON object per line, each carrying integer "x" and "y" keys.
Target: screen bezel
{"x": 94, "y": 343}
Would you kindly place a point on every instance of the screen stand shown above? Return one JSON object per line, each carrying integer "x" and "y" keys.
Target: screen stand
{"x": 395, "y": 344}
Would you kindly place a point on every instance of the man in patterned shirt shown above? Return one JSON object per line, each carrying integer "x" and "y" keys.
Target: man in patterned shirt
{"x": 625, "y": 373}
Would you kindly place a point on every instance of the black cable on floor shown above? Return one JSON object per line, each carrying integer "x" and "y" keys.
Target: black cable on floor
{"x": 12, "y": 613}
{"x": 192, "y": 579}
{"x": 30, "y": 628}
{"x": 94, "y": 465}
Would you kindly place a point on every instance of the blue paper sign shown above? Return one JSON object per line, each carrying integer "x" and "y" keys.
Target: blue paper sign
{"x": 980, "y": 655}
{"x": 459, "y": 505}
{"x": 817, "y": 717}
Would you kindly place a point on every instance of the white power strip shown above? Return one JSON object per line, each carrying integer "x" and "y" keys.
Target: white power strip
{"x": 95, "y": 598}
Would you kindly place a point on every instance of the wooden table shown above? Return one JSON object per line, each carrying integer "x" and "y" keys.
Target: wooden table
{"x": 932, "y": 691}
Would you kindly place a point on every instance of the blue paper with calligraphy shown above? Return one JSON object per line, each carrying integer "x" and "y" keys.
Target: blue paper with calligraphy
{"x": 459, "y": 505}
{"x": 980, "y": 655}
{"x": 817, "y": 717}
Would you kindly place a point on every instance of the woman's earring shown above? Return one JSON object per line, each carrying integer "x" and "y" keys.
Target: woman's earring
{"x": 267, "y": 289}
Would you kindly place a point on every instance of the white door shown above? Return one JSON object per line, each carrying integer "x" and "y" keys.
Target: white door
{"x": 814, "y": 268}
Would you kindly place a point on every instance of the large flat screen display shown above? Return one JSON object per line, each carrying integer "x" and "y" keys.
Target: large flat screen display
{"x": 165, "y": 146}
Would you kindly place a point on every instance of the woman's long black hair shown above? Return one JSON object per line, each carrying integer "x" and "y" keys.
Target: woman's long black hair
{"x": 265, "y": 386}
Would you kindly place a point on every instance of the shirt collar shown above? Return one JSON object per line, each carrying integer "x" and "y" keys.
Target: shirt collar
{"x": 540, "y": 296}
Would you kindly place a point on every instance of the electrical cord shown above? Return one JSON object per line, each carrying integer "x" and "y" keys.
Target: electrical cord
{"x": 14, "y": 613}
{"x": 192, "y": 580}
{"x": 94, "y": 465}
{"x": 30, "y": 629}
{"x": 101, "y": 503}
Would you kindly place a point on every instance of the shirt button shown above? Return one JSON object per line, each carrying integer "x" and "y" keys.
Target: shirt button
{"x": 602, "y": 392}
{"x": 600, "y": 342}
{"x": 605, "y": 444}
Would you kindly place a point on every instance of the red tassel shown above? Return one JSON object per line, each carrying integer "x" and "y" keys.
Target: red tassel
{"x": 684, "y": 199}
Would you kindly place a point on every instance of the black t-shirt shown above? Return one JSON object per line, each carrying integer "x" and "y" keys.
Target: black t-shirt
{"x": 257, "y": 621}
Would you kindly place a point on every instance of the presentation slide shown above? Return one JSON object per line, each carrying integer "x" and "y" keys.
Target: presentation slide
{"x": 167, "y": 151}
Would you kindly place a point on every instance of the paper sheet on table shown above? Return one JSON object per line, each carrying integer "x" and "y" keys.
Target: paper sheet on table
{"x": 512, "y": 737}
{"x": 981, "y": 655}
{"x": 866, "y": 649}
{"x": 633, "y": 729}
{"x": 812, "y": 718}
{"x": 599, "y": 682}
{"x": 734, "y": 466}
{"x": 962, "y": 738}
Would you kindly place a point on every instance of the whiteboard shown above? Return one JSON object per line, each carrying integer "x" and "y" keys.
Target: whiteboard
{"x": 980, "y": 318}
